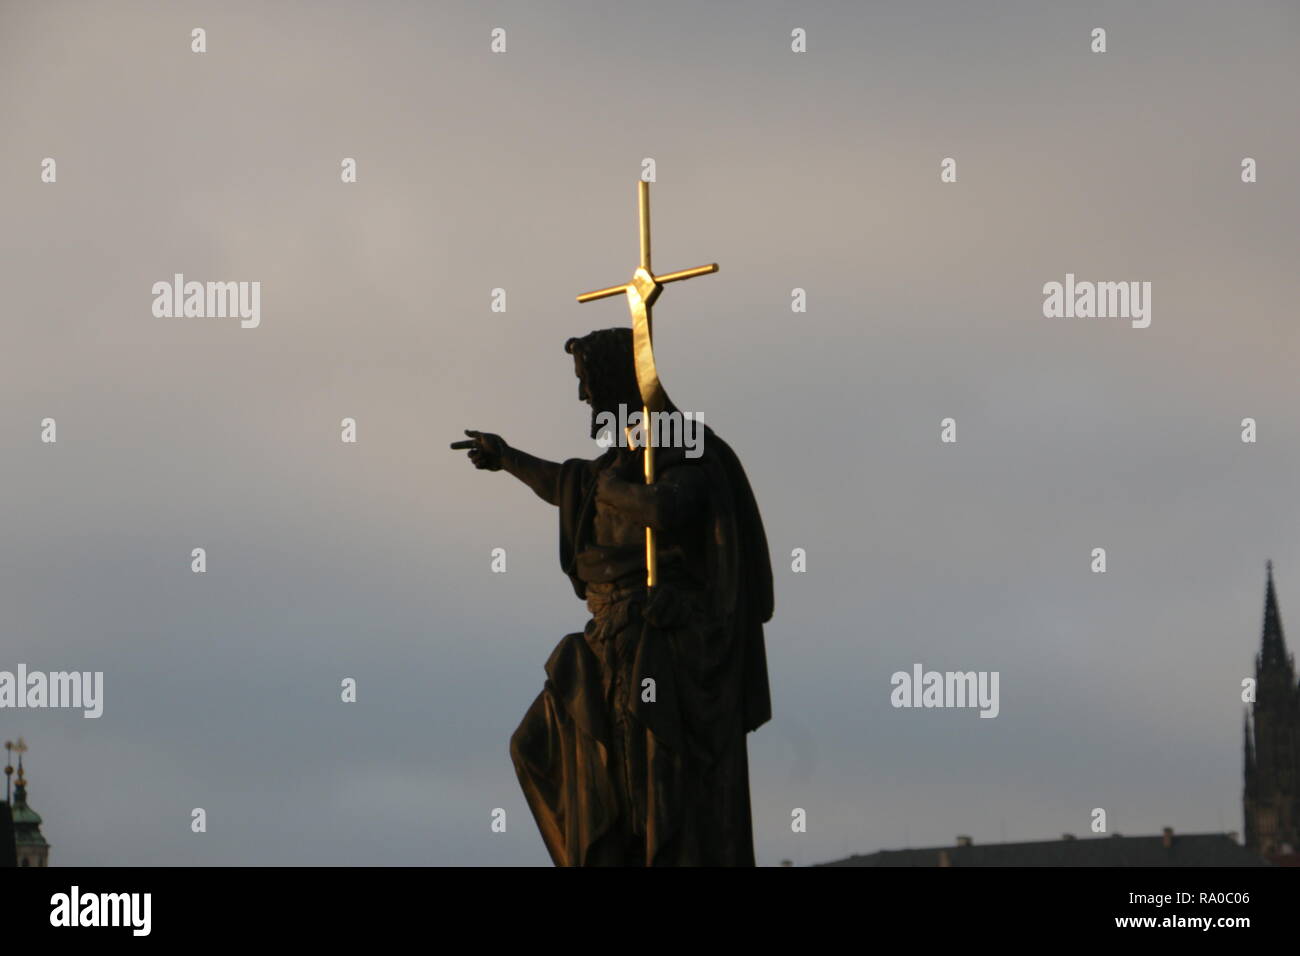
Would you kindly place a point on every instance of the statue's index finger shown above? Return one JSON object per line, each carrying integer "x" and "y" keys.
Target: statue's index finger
{"x": 461, "y": 445}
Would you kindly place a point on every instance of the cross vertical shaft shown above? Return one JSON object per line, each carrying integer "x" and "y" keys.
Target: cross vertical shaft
{"x": 643, "y": 217}
{"x": 648, "y": 458}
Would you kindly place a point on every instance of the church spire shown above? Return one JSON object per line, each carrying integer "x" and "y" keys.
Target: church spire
{"x": 1271, "y": 808}
{"x": 1272, "y": 652}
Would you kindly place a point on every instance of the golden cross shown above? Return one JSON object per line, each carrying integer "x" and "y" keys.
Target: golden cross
{"x": 641, "y": 293}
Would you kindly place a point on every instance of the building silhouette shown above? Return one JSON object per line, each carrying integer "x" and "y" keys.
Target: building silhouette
{"x": 21, "y": 840}
{"x": 1192, "y": 849}
{"x": 1272, "y": 732}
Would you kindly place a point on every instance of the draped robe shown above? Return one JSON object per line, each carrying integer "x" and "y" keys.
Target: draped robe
{"x": 634, "y": 753}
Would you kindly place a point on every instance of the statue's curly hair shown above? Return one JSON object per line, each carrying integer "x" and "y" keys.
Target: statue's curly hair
{"x": 609, "y": 364}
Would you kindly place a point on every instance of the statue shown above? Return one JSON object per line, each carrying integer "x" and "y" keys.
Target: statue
{"x": 634, "y": 753}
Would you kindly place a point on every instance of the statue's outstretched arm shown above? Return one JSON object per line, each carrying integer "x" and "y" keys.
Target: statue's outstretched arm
{"x": 491, "y": 453}
{"x": 537, "y": 473}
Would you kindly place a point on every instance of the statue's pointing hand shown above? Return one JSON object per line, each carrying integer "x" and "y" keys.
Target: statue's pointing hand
{"x": 485, "y": 449}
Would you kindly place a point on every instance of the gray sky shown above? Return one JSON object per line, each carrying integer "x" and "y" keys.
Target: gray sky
{"x": 478, "y": 171}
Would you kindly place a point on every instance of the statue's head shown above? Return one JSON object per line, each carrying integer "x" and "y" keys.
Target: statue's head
{"x": 606, "y": 371}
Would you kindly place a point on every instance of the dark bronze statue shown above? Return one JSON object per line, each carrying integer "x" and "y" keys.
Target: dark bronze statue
{"x": 635, "y": 752}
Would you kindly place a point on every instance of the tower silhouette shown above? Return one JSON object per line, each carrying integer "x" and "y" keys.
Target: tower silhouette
{"x": 1270, "y": 800}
